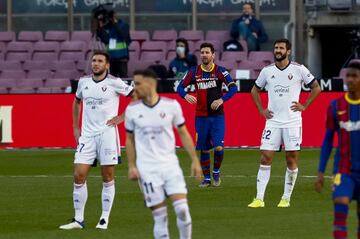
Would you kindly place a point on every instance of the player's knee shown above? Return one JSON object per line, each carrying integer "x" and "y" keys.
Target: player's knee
{"x": 265, "y": 159}
{"x": 79, "y": 177}
{"x": 181, "y": 208}
{"x": 341, "y": 200}
{"x": 205, "y": 151}
{"x": 219, "y": 148}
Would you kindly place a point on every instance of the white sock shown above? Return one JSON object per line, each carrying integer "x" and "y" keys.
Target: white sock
{"x": 290, "y": 179}
{"x": 107, "y": 198}
{"x": 80, "y": 195}
{"x": 262, "y": 181}
{"x": 160, "y": 223}
{"x": 183, "y": 218}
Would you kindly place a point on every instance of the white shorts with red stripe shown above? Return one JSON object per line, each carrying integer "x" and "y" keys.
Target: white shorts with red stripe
{"x": 104, "y": 147}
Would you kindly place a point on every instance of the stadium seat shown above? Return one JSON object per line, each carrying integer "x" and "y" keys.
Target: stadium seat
{"x": 234, "y": 55}
{"x": 37, "y": 65}
{"x": 83, "y": 67}
{"x": 36, "y": 78}
{"x": 134, "y": 50}
{"x": 31, "y": 36}
{"x": 171, "y": 55}
{"x": 220, "y": 36}
{"x": 154, "y": 56}
{"x": 10, "y": 65}
{"x": 26, "y": 90}
{"x": 265, "y": 56}
{"x": 8, "y": 78}
{"x": 244, "y": 45}
{"x": 229, "y": 65}
{"x": 192, "y": 35}
{"x": 3, "y": 90}
{"x": 2, "y": 50}
{"x": 59, "y": 36}
{"x": 45, "y": 51}
{"x": 136, "y": 65}
{"x": 81, "y": 36}
{"x": 153, "y": 51}
{"x": 63, "y": 65}
{"x": 62, "y": 78}
{"x": 252, "y": 65}
{"x": 18, "y": 51}
{"x": 140, "y": 36}
{"x": 7, "y": 37}
{"x": 72, "y": 50}
{"x": 164, "y": 35}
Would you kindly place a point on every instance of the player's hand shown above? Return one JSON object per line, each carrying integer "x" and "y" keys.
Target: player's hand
{"x": 319, "y": 182}
{"x": 77, "y": 134}
{"x": 297, "y": 107}
{"x": 216, "y": 104}
{"x": 196, "y": 169}
{"x": 191, "y": 99}
{"x": 133, "y": 173}
{"x": 268, "y": 114}
{"x": 255, "y": 34}
{"x": 115, "y": 121}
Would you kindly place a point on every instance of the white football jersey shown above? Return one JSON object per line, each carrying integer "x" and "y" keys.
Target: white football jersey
{"x": 284, "y": 87}
{"x": 153, "y": 131}
{"x": 100, "y": 102}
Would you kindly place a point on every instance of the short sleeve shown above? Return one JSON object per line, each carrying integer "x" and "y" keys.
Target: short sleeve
{"x": 261, "y": 80}
{"x": 307, "y": 77}
{"x": 78, "y": 93}
{"x": 121, "y": 87}
{"x": 129, "y": 121}
{"x": 178, "y": 119}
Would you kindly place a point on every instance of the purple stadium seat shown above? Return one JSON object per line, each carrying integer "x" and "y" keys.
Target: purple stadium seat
{"x": 140, "y": 36}
{"x": 56, "y": 36}
{"x": 171, "y": 55}
{"x": 164, "y": 35}
{"x": 265, "y": 56}
{"x": 57, "y": 82}
{"x": 45, "y": 51}
{"x": 221, "y": 36}
{"x": 44, "y": 90}
{"x": 229, "y": 65}
{"x": 3, "y": 90}
{"x": 154, "y": 56}
{"x": 192, "y": 35}
{"x": 18, "y": 51}
{"x": 84, "y": 67}
{"x": 234, "y": 56}
{"x": 244, "y": 45}
{"x": 252, "y": 65}
{"x": 137, "y": 65}
{"x": 8, "y": 78}
{"x": 81, "y": 36}
{"x": 7, "y": 37}
{"x": 2, "y": 50}
{"x": 72, "y": 50}
{"x": 63, "y": 65}
{"x": 27, "y": 90}
{"x": 37, "y": 65}
{"x": 31, "y": 36}
{"x": 134, "y": 50}
{"x": 36, "y": 78}
{"x": 10, "y": 65}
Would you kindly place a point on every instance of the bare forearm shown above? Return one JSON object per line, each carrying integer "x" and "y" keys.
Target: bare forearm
{"x": 76, "y": 114}
{"x": 315, "y": 91}
{"x": 187, "y": 143}
{"x": 256, "y": 98}
{"x": 130, "y": 152}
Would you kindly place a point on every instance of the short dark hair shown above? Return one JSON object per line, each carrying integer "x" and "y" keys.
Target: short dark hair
{"x": 250, "y": 4}
{"x": 284, "y": 40}
{"x": 146, "y": 73}
{"x": 207, "y": 44}
{"x": 103, "y": 53}
{"x": 183, "y": 40}
{"x": 354, "y": 65}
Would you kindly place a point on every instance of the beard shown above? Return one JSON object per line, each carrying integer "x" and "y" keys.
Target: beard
{"x": 98, "y": 73}
{"x": 205, "y": 61}
{"x": 281, "y": 58}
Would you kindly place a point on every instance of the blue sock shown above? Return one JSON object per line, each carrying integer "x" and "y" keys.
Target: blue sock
{"x": 340, "y": 215}
{"x": 205, "y": 164}
{"x": 218, "y": 158}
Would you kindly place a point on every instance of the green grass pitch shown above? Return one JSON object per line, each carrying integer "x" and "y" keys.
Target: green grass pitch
{"x": 36, "y": 197}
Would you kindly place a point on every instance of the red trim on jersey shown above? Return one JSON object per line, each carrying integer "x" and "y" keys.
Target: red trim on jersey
{"x": 343, "y": 114}
{"x": 201, "y": 95}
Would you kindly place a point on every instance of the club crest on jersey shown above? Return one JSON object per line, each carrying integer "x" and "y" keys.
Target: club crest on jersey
{"x": 290, "y": 76}
{"x": 104, "y": 88}
{"x": 162, "y": 115}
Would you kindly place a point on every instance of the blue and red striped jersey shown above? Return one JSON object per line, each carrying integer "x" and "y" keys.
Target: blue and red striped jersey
{"x": 343, "y": 117}
{"x": 208, "y": 85}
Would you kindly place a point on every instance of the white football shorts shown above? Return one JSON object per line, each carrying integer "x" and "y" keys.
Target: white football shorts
{"x": 105, "y": 147}
{"x": 157, "y": 184}
{"x": 273, "y": 138}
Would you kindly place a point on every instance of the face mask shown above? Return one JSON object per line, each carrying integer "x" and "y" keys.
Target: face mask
{"x": 180, "y": 49}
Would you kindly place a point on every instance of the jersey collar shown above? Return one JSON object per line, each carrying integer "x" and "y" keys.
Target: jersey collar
{"x": 98, "y": 81}
{"x": 350, "y": 101}
{"x": 152, "y": 106}
{"x": 211, "y": 69}
{"x": 284, "y": 67}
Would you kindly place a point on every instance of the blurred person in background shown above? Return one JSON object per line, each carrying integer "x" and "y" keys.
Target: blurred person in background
{"x": 183, "y": 60}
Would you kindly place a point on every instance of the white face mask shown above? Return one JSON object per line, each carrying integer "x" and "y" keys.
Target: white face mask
{"x": 180, "y": 49}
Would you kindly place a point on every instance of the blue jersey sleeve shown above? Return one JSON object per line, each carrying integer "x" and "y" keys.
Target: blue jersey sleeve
{"x": 226, "y": 78}
{"x": 188, "y": 79}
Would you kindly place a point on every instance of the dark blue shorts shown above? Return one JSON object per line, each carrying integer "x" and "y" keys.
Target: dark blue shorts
{"x": 346, "y": 185}
{"x": 210, "y": 132}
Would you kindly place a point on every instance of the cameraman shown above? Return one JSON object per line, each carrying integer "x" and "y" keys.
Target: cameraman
{"x": 114, "y": 33}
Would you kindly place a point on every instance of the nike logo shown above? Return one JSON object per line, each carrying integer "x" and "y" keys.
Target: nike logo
{"x": 341, "y": 112}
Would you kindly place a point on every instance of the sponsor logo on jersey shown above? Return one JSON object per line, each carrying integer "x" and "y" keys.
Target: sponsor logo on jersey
{"x": 93, "y": 102}
{"x": 281, "y": 90}
{"x": 350, "y": 125}
{"x": 290, "y": 76}
{"x": 206, "y": 83}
